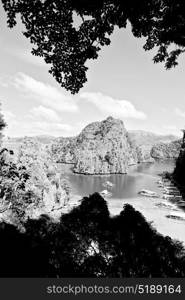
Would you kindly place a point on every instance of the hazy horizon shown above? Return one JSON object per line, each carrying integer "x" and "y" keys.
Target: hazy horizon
{"x": 58, "y": 136}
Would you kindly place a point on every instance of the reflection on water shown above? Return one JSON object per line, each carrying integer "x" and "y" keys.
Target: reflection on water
{"x": 125, "y": 185}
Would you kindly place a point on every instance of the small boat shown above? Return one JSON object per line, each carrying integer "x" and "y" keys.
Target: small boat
{"x": 172, "y": 193}
{"x": 105, "y": 193}
{"x": 171, "y": 189}
{"x": 168, "y": 197}
{"x": 166, "y": 206}
{"x": 148, "y": 193}
{"x": 170, "y": 186}
{"x": 166, "y": 181}
{"x": 108, "y": 184}
{"x": 160, "y": 183}
{"x": 176, "y": 216}
{"x": 177, "y": 197}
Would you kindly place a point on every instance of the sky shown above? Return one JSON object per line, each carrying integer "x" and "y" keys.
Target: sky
{"x": 123, "y": 82}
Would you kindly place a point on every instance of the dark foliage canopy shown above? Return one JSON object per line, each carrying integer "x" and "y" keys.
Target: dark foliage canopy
{"x": 87, "y": 242}
{"x": 67, "y": 33}
{"x": 179, "y": 171}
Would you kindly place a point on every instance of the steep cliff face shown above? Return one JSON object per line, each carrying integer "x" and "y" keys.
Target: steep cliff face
{"x": 104, "y": 148}
{"x": 166, "y": 150}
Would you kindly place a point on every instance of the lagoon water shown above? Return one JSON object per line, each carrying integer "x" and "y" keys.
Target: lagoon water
{"x": 125, "y": 190}
{"x": 126, "y": 186}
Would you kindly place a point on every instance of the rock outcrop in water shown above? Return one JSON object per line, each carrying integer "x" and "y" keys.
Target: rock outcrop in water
{"x": 104, "y": 148}
{"x": 166, "y": 150}
{"x": 151, "y": 146}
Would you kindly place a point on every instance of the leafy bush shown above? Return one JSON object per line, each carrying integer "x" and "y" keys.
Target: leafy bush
{"x": 15, "y": 194}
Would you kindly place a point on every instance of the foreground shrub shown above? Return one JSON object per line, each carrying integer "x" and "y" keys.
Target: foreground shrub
{"x": 88, "y": 242}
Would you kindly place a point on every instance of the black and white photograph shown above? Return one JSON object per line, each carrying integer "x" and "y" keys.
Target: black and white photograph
{"x": 92, "y": 139}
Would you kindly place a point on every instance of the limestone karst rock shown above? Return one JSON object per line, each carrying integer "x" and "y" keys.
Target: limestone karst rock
{"x": 149, "y": 145}
{"x": 166, "y": 150}
{"x": 104, "y": 148}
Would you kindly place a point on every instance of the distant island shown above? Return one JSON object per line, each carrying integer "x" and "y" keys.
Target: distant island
{"x": 105, "y": 147}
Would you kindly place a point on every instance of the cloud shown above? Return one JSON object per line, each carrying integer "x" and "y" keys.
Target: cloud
{"x": 42, "y": 112}
{"x": 45, "y": 94}
{"x": 180, "y": 113}
{"x": 114, "y": 107}
{"x": 41, "y": 127}
{"x": 32, "y": 128}
{"x": 3, "y": 82}
{"x": 39, "y": 121}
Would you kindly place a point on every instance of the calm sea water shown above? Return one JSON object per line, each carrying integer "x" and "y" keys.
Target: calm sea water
{"x": 142, "y": 176}
{"x": 125, "y": 190}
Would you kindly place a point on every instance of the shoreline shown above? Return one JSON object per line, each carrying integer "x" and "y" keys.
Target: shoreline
{"x": 150, "y": 210}
{"x": 149, "y": 207}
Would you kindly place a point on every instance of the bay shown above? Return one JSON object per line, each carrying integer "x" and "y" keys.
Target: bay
{"x": 125, "y": 188}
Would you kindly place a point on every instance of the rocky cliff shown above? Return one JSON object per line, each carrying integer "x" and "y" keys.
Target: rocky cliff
{"x": 151, "y": 146}
{"x": 104, "y": 148}
{"x": 166, "y": 150}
